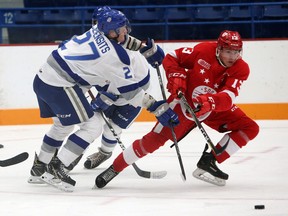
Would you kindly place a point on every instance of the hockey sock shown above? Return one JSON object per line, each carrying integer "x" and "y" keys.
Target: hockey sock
{"x": 129, "y": 156}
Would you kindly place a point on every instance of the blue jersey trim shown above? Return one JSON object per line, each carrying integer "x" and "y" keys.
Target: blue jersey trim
{"x": 101, "y": 88}
{"x": 144, "y": 81}
{"x": 132, "y": 87}
{"x": 128, "y": 88}
{"x": 67, "y": 69}
{"x": 121, "y": 52}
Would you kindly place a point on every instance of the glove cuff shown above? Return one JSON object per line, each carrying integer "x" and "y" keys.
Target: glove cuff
{"x": 149, "y": 52}
{"x": 158, "y": 108}
{"x": 132, "y": 43}
{"x": 148, "y": 101}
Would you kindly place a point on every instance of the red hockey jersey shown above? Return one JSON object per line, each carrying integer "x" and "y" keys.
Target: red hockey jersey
{"x": 205, "y": 75}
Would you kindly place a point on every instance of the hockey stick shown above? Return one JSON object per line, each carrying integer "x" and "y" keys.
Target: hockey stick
{"x": 199, "y": 125}
{"x": 183, "y": 175}
{"x": 172, "y": 145}
{"x": 142, "y": 173}
{"x": 14, "y": 160}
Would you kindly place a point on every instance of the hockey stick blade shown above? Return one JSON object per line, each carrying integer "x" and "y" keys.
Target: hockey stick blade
{"x": 14, "y": 160}
{"x": 147, "y": 174}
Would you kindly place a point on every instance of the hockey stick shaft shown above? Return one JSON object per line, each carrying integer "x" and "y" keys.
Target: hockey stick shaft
{"x": 199, "y": 125}
{"x": 172, "y": 128}
{"x": 137, "y": 169}
{"x": 173, "y": 144}
{"x": 14, "y": 160}
{"x": 142, "y": 173}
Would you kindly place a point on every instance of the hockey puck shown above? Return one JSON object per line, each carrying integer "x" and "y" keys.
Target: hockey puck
{"x": 1, "y": 146}
{"x": 259, "y": 207}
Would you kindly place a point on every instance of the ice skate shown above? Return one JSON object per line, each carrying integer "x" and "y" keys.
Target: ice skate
{"x": 208, "y": 171}
{"x": 96, "y": 159}
{"x": 36, "y": 171}
{"x": 105, "y": 177}
{"x": 57, "y": 177}
{"x": 73, "y": 164}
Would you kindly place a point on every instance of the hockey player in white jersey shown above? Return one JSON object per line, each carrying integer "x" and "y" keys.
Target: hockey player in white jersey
{"x": 121, "y": 114}
{"x": 93, "y": 58}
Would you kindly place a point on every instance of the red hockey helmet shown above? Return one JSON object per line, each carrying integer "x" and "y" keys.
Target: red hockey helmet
{"x": 230, "y": 40}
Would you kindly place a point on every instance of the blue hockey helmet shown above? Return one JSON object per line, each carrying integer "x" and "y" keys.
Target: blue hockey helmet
{"x": 97, "y": 12}
{"x": 112, "y": 20}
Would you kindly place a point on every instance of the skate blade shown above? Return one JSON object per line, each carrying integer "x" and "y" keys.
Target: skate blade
{"x": 207, "y": 177}
{"x": 57, "y": 183}
{"x": 35, "y": 180}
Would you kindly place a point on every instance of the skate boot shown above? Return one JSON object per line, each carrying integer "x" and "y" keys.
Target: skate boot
{"x": 73, "y": 164}
{"x": 57, "y": 177}
{"x": 208, "y": 171}
{"x": 105, "y": 177}
{"x": 36, "y": 171}
{"x": 96, "y": 159}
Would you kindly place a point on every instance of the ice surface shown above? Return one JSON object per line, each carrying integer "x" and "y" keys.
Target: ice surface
{"x": 257, "y": 175}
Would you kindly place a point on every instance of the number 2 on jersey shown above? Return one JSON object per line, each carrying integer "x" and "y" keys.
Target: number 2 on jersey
{"x": 127, "y": 72}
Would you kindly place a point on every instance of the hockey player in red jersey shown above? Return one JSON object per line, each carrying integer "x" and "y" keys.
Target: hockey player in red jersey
{"x": 210, "y": 76}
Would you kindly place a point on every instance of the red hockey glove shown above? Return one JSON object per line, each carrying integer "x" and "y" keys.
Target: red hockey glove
{"x": 176, "y": 82}
{"x": 204, "y": 103}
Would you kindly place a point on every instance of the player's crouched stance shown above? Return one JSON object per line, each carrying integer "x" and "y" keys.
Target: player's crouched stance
{"x": 209, "y": 75}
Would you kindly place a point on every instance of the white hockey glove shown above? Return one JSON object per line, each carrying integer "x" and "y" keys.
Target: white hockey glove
{"x": 153, "y": 53}
{"x": 164, "y": 114}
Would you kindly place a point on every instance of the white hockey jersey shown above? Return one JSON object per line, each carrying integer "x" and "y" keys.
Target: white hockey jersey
{"x": 92, "y": 59}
